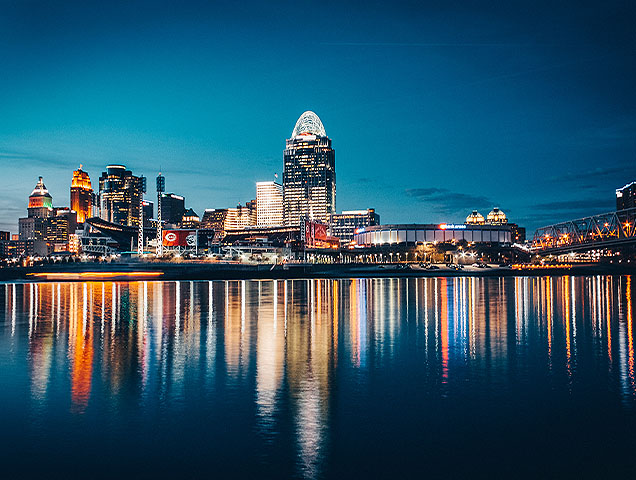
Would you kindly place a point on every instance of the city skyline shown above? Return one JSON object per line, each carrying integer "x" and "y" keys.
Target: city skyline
{"x": 531, "y": 110}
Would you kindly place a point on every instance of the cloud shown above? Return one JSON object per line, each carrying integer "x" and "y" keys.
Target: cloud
{"x": 447, "y": 201}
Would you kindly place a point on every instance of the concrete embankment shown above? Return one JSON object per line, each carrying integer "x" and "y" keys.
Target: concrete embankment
{"x": 123, "y": 271}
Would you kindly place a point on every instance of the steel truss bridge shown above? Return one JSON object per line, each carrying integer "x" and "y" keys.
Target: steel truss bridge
{"x": 607, "y": 230}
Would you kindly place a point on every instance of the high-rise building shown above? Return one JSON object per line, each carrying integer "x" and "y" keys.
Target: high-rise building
{"x": 81, "y": 195}
{"x": 40, "y": 207}
{"x": 309, "y": 178}
{"x": 626, "y": 196}
{"x": 344, "y": 225}
{"x": 119, "y": 193}
{"x": 40, "y": 201}
{"x": 149, "y": 211}
{"x": 172, "y": 208}
{"x": 224, "y": 219}
{"x": 269, "y": 204}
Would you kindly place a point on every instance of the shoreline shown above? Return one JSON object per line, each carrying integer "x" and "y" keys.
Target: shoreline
{"x": 135, "y": 271}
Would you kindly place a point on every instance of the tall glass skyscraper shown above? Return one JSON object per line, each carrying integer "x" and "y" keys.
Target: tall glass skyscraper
{"x": 119, "y": 193}
{"x": 309, "y": 177}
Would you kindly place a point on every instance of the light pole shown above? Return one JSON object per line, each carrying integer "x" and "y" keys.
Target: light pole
{"x": 161, "y": 187}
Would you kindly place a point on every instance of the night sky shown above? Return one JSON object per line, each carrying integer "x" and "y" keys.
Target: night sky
{"x": 434, "y": 110}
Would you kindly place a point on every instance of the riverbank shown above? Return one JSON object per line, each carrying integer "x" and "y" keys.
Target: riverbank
{"x": 122, "y": 271}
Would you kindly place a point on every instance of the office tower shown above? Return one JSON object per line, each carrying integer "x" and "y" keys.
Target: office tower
{"x": 81, "y": 195}
{"x": 172, "y": 208}
{"x": 40, "y": 207}
{"x": 269, "y": 204}
{"x": 626, "y": 196}
{"x": 120, "y": 195}
{"x": 224, "y": 219}
{"x": 344, "y": 225}
{"x": 309, "y": 178}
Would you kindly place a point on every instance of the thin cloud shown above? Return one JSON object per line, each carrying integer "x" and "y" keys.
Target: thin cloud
{"x": 447, "y": 201}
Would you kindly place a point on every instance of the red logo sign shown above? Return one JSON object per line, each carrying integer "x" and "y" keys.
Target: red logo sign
{"x": 179, "y": 238}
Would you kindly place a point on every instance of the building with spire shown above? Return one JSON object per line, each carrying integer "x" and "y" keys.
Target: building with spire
{"x": 40, "y": 208}
{"x": 309, "y": 177}
{"x": 82, "y": 195}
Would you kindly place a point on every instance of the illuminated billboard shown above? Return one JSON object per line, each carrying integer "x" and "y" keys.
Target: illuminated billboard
{"x": 179, "y": 238}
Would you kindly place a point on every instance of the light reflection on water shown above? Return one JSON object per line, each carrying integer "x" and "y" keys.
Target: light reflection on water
{"x": 287, "y": 364}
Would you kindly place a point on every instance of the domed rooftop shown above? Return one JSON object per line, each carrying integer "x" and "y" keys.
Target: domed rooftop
{"x": 40, "y": 190}
{"x": 475, "y": 218}
{"x": 309, "y": 124}
{"x": 496, "y": 216}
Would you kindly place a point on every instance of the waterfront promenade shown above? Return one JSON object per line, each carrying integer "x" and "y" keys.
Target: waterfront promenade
{"x": 193, "y": 270}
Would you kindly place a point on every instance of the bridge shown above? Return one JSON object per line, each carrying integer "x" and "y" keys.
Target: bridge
{"x": 607, "y": 230}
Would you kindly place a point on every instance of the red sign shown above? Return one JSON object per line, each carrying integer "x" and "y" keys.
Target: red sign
{"x": 315, "y": 233}
{"x": 179, "y": 238}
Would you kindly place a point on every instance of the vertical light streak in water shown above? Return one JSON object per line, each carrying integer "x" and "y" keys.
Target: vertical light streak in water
{"x": 52, "y": 303}
{"x": 608, "y": 294}
{"x": 177, "y": 309}
{"x": 425, "y": 281}
{"x": 285, "y": 306}
{"x": 31, "y": 287}
{"x": 518, "y": 309}
{"x": 312, "y": 317}
{"x": 103, "y": 308}
{"x": 444, "y": 328}
{"x": 13, "y": 308}
{"x": 353, "y": 323}
{"x": 275, "y": 305}
{"x": 334, "y": 320}
{"x": 548, "y": 297}
{"x": 113, "y": 310}
{"x": 630, "y": 334}
{"x": 573, "y": 295}
{"x": 362, "y": 322}
{"x": 84, "y": 308}
{"x": 565, "y": 292}
{"x": 436, "y": 297}
{"x": 242, "y": 306}
{"x": 210, "y": 309}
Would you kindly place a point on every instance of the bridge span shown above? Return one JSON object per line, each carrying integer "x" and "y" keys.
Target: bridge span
{"x": 607, "y": 230}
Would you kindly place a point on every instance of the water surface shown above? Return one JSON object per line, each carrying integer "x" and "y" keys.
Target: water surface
{"x": 319, "y": 378}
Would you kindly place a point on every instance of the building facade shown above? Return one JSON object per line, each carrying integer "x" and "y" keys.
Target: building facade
{"x": 172, "y": 208}
{"x": 309, "y": 177}
{"x": 269, "y": 204}
{"x": 39, "y": 209}
{"x": 119, "y": 193}
{"x": 626, "y": 197}
{"x": 344, "y": 225}
{"x": 421, "y": 234}
{"x": 82, "y": 195}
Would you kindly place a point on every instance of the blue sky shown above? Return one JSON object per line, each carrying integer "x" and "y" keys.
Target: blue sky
{"x": 434, "y": 110}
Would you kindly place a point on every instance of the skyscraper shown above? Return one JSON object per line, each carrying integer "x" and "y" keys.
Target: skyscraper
{"x": 344, "y": 225}
{"x": 172, "y": 208}
{"x": 269, "y": 204}
{"x": 81, "y": 195}
{"x": 119, "y": 193}
{"x": 309, "y": 178}
{"x": 40, "y": 208}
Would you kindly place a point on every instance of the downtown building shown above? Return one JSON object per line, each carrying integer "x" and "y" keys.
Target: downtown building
{"x": 82, "y": 196}
{"x": 309, "y": 176}
{"x": 626, "y": 197}
{"x": 269, "y": 204}
{"x": 344, "y": 225}
{"x": 120, "y": 195}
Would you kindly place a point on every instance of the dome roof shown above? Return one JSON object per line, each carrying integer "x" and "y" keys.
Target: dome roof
{"x": 310, "y": 124}
{"x": 496, "y": 216}
{"x": 40, "y": 190}
{"x": 475, "y": 218}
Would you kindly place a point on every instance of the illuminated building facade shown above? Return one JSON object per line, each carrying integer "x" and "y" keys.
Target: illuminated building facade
{"x": 421, "y": 234}
{"x": 149, "y": 211}
{"x": 172, "y": 208}
{"x": 120, "y": 192}
{"x": 496, "y": 217}
{"x": 190, "y": 219}
{"x": 81, "y": 195}
{"x": 224, "y": 219}
{"x": 269, "y": 204}
{"x": 475, "y": 218}
{"x": 40, "y": 208}
{"x": 626, "y": 197}
{"x": 309, "y": 177}
{"x": 343, "y": 225}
